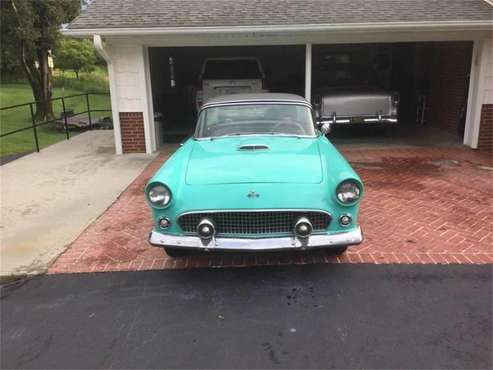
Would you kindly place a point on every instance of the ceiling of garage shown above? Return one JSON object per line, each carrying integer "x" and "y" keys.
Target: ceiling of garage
{"x": 211, "y": 13}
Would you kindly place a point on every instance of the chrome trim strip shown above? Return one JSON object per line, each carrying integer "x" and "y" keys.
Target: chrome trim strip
{"x": 256, "y": 210}
{"x": 265, "y": 244}
{"x": 209, "y": 138}
{"x": 253, "y": 147}
{"x": 255, "y": 102}
{"x": 365, "y": 120}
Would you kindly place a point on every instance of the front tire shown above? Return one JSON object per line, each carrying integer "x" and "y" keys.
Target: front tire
{"x": 176, "y": 252}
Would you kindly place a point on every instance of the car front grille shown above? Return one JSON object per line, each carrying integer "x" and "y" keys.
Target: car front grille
{"x": 253, "y": 223}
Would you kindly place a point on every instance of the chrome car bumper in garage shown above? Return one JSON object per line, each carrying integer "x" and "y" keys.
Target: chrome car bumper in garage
{"x": 264, "y": 244}
{"x": 358, "y": 121}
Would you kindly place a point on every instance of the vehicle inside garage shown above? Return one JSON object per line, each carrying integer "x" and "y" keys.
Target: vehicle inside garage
{"x": 429, "y": 79}
{"x": 176, "y": 75}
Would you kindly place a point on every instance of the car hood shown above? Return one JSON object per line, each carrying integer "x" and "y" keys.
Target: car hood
{"x": 254, "y": 159}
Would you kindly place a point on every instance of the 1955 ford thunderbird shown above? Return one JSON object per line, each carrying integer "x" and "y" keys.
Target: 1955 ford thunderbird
{"x": 258, "y": 175}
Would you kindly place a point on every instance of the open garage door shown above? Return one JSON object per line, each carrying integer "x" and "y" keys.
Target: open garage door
{"x": 430, "y": 80}
{"x": 177, "y": 79}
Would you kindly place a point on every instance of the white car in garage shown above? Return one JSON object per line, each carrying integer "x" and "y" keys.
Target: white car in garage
{"x": 225, "y": 76}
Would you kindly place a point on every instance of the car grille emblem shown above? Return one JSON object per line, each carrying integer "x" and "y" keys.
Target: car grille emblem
{"x": 253, "y": 194}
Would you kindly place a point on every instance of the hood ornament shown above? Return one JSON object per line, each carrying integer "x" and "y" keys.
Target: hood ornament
{"x": 253, "y": 194}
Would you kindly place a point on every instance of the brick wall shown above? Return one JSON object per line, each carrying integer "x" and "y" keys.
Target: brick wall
{"x": 449, "y": 84}
{"x": 485, "y": 141}
{"x": 132, "y": 131}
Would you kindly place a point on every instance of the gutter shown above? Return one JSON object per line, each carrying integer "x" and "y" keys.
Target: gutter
{"x": 355, "y": 27}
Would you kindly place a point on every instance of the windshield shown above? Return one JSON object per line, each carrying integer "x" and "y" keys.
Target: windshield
{"x": 255, "y": 119}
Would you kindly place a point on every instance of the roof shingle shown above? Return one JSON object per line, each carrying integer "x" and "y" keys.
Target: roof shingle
{"x": 203, "y": 13}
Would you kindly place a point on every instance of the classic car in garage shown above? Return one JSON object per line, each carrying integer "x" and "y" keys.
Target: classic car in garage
{"x": 225, "y": 76}
{"x": 357, "y": 105}
{"x": 258, "y": 175}
{"x": 354, "y": 91}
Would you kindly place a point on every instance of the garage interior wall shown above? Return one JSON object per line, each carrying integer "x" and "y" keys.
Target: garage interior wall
{"x": 450, "y": 70}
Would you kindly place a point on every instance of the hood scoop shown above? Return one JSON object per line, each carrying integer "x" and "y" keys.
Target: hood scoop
{"x": 253, "y": 147}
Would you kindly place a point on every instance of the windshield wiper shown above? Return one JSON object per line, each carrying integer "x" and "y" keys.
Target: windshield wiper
{"x": 232, "y": 134}
{"x": 281, "y": 134}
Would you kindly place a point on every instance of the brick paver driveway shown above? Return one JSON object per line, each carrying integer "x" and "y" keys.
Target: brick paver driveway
{"x": 422, "y": 205}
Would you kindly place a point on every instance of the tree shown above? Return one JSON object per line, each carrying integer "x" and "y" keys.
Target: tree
{"x": 31, "y": 29}
{"x": 76, "y": 55}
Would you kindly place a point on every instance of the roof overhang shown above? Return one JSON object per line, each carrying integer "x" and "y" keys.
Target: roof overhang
{"x": 336, "y": 27}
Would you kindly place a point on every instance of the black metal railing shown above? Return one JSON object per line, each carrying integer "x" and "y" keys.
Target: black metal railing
{"x": 65, "y": 115}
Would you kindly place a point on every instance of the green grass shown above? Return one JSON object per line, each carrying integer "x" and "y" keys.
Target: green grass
{"x": 16, "y": 118}
{"x": 94, "y": 81}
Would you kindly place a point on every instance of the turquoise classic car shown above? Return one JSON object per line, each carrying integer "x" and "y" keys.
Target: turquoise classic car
{"x": 258, "y": 175}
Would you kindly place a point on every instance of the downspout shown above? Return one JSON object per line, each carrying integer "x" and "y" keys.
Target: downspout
{"x": 98, "y": 45}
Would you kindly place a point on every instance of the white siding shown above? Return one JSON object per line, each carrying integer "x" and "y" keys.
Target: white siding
{"x": 132, "y": 84}
{"x": 126, "y": 61}
{"x": 488, "y": 86}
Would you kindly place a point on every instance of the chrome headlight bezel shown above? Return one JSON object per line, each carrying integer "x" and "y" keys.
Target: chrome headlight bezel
{"x": 161, "y": 193}
{"x": 345, "y": 187}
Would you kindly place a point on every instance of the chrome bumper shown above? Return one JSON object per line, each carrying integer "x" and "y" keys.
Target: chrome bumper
{"x": 264, "y": 244}
{"x": 351, "y": 121}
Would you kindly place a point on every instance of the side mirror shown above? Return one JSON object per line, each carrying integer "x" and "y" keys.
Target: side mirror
{"x": 325, "y": 127}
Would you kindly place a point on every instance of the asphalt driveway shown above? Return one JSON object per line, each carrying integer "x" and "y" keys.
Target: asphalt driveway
{"x": 311, "y": 316}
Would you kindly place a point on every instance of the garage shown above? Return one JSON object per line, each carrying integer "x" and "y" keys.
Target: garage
{"x": 433, "y": 57}
{"x": 415, "y": 72}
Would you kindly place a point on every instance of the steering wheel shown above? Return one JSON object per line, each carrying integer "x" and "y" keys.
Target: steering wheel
{"x": 292, "y": 123}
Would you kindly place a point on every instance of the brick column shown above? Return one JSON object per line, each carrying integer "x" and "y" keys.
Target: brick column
{"x": 132, "y": 132}
{"x": 449, "y": 71}
{"x": 485, "y": 141}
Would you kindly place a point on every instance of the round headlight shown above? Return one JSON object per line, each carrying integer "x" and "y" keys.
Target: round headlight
{"x": 348, "y": 192}
{"x": 159, "y": 195}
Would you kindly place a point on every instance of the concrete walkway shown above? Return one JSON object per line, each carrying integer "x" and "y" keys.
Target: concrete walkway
{"x": 49, "y": 198}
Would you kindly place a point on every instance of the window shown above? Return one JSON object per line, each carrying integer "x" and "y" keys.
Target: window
{"x": 255, "y": 119}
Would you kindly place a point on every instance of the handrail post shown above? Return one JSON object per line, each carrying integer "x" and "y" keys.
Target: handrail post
{"x": 88, "y": 111}
{"x": 33, "y": 121}
{"x": 65, "y": 119}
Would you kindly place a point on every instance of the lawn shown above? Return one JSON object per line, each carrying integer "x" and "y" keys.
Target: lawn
{"x": 16, "y": 118}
